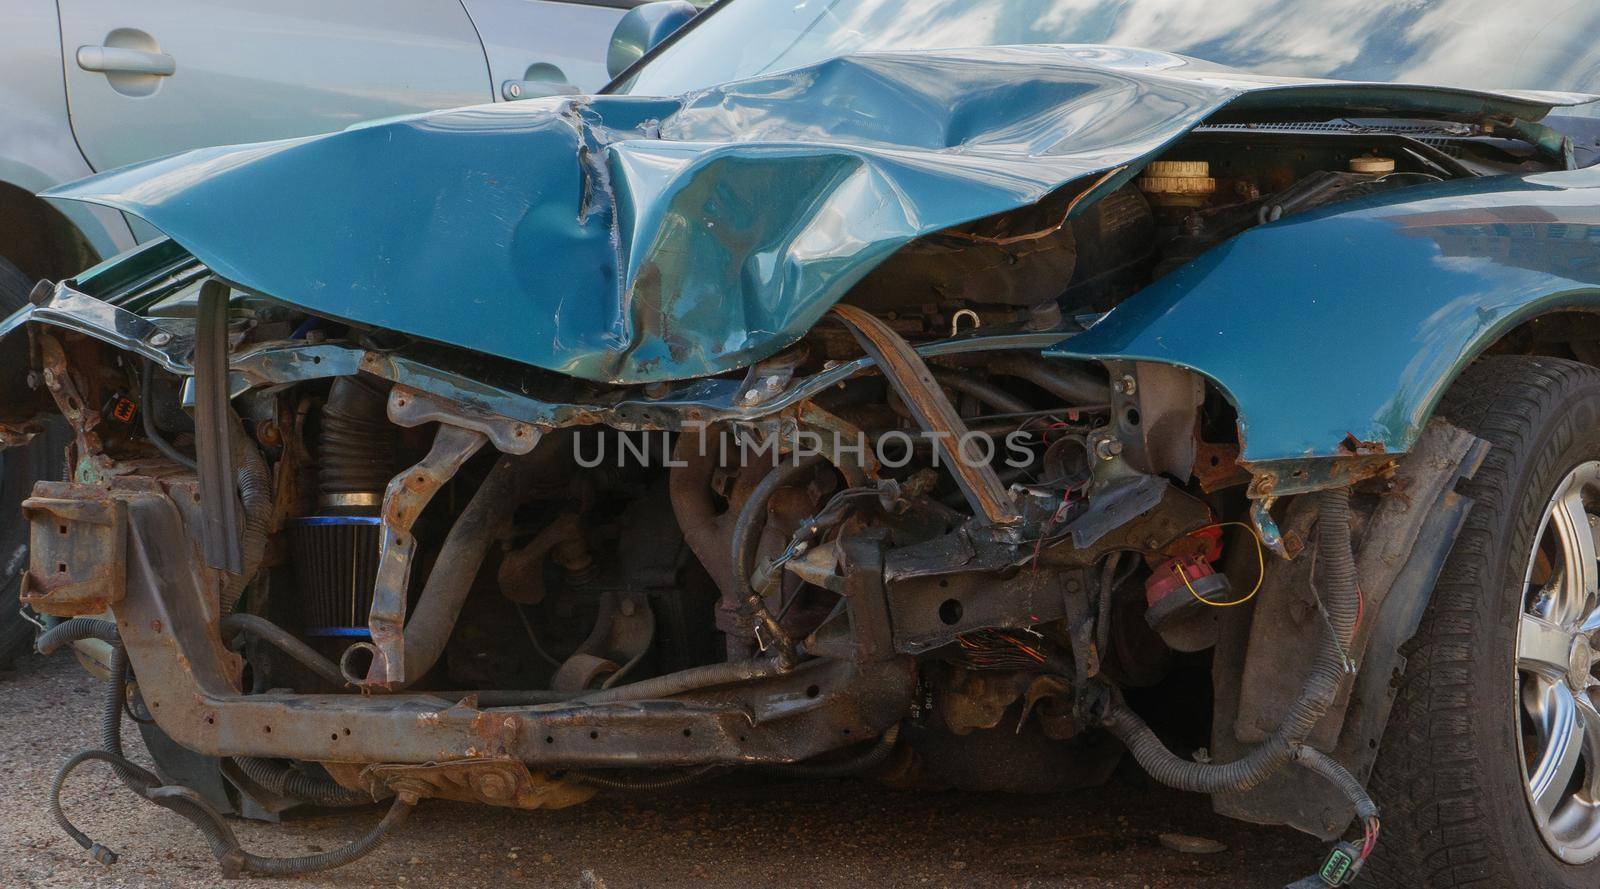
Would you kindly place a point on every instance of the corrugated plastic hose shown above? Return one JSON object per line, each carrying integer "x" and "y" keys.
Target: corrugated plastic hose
{"x": 183, "y": 801}
{"x": 1340, "y": 602}
{"x": 290, "y": 782}
{"x": 75, "y": 630}
{"x": 231, "y": 857}
{"x": 254, "y": 481}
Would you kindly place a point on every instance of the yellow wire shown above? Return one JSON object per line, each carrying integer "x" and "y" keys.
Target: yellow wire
{"x": 1261, "y": 567}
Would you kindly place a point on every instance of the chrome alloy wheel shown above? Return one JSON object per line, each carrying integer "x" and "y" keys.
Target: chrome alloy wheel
{"x": 1558, "y": 652}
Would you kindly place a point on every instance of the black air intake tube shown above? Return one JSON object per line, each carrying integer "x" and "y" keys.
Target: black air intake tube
{"x": 356, "y": 448}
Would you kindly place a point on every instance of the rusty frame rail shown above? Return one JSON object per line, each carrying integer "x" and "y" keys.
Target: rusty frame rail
{"x": 167, "y": 619}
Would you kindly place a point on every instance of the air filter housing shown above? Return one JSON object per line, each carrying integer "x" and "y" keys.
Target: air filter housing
{"x": 336, "y": 563}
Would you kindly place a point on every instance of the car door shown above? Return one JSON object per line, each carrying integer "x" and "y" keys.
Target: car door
{"x": 541, "y": 47}
{"x": 155, "y": 77}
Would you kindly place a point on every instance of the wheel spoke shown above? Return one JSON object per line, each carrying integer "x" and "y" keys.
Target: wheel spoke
{"x": 1579, "y": 576}
{"x": 1591, "y": 746}
{"x": 1542, "y": 647}
{"x": 1562, "y": 731}
{"x": 1591, "y": 624}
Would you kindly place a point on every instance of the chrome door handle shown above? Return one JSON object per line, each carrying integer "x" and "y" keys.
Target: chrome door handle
{"x": 118, "y": 60}
{"x": 513, "y": 90}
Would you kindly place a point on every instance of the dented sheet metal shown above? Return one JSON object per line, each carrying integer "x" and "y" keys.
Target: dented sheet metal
{"x": 1374, "y": 305}
{"x": 625, "y": 239}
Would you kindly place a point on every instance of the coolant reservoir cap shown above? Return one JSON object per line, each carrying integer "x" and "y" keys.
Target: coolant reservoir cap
{"x": 1372, "y": 165}
{"x": 1178, "y": 183}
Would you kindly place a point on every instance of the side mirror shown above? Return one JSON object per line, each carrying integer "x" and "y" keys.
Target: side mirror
{"x": 643, "y": 28}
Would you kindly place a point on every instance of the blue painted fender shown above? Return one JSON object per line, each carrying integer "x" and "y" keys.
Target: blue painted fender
{"x": 1353, "y": 320}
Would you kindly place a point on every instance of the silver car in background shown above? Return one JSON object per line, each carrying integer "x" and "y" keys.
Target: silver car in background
{"x": 91, "y": 85}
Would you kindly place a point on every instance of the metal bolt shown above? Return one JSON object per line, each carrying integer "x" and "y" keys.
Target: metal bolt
{"x": 628, "y": 607}
{"x": 1107, "y": 447}
{"x": 750, "y": 396}
{"x": 773, "y": 384}
{"x": 160, "y": 338}
{"x": 1127, "y": 385}
{"x": 493, "y": 785}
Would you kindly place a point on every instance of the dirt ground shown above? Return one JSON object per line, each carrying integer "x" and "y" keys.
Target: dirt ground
{"x": 727, "y": 833}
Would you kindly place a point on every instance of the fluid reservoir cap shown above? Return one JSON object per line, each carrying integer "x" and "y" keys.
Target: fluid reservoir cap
{"x": 1372, "y": 165}
{"x": 1178, "y": 170}
{"x": 1178, "y": 183}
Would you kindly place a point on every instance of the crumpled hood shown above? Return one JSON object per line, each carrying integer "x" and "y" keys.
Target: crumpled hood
{"x": 627, "y": 239}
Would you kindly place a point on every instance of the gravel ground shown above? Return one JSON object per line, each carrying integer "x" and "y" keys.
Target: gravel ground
{"x": 722, "y": 834}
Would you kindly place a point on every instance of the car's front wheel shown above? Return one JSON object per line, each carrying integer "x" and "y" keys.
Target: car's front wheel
{"x": 1490, "y": 769}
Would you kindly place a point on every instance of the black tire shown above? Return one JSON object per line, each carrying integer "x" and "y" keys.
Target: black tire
{"x": 1449, "y": 777}
{"x": 19, "y": 469}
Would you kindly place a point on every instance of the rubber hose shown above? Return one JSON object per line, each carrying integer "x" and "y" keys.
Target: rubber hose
{"x": 1072, "y": 386}
{"x": 151, "y": 432}
{"x": 984, "y": 391}
{"x": 279, "y": 638}
{"x": 752, "y": 517}
{"x": 233, "y": 860}
{"x": 75, "y": 630}
{"x": 286, "y": 781}
{"x": 1315, "y": 760}
{"x": 692, "y": 679}
{"x": 306, "y": 864}
{"x": 485, "y": 516}
{"x": 254, "y": 481}
{"x": 874, "y": 756}
{"x": 1336, "y": 558}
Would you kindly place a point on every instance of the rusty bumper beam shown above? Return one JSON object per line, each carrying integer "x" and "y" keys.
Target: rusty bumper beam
{"x": 167, "y": 620}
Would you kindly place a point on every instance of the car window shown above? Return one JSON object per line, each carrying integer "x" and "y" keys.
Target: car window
{"x": 1481, "y": 44}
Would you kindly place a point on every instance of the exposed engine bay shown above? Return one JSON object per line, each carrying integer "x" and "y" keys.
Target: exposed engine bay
{"x": 348, "y": 566}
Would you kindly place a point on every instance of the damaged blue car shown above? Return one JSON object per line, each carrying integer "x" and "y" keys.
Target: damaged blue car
{"x": 950, "y": 392}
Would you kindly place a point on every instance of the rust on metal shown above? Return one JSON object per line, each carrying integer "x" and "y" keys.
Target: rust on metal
{"x": 412, "y": 407}
{"x": 494, "y": 780}
{"x": 1216, "y": 466}
{"x": 1355, "y": 447}
{"x": 92, "y": 463}
{"x": 407, "y": 495}
{"x": 77, "y": 538}
{"x": 911, "y": 379}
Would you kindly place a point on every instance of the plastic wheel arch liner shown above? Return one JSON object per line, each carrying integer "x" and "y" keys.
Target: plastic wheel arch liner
{"x": 624, "y": 239}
